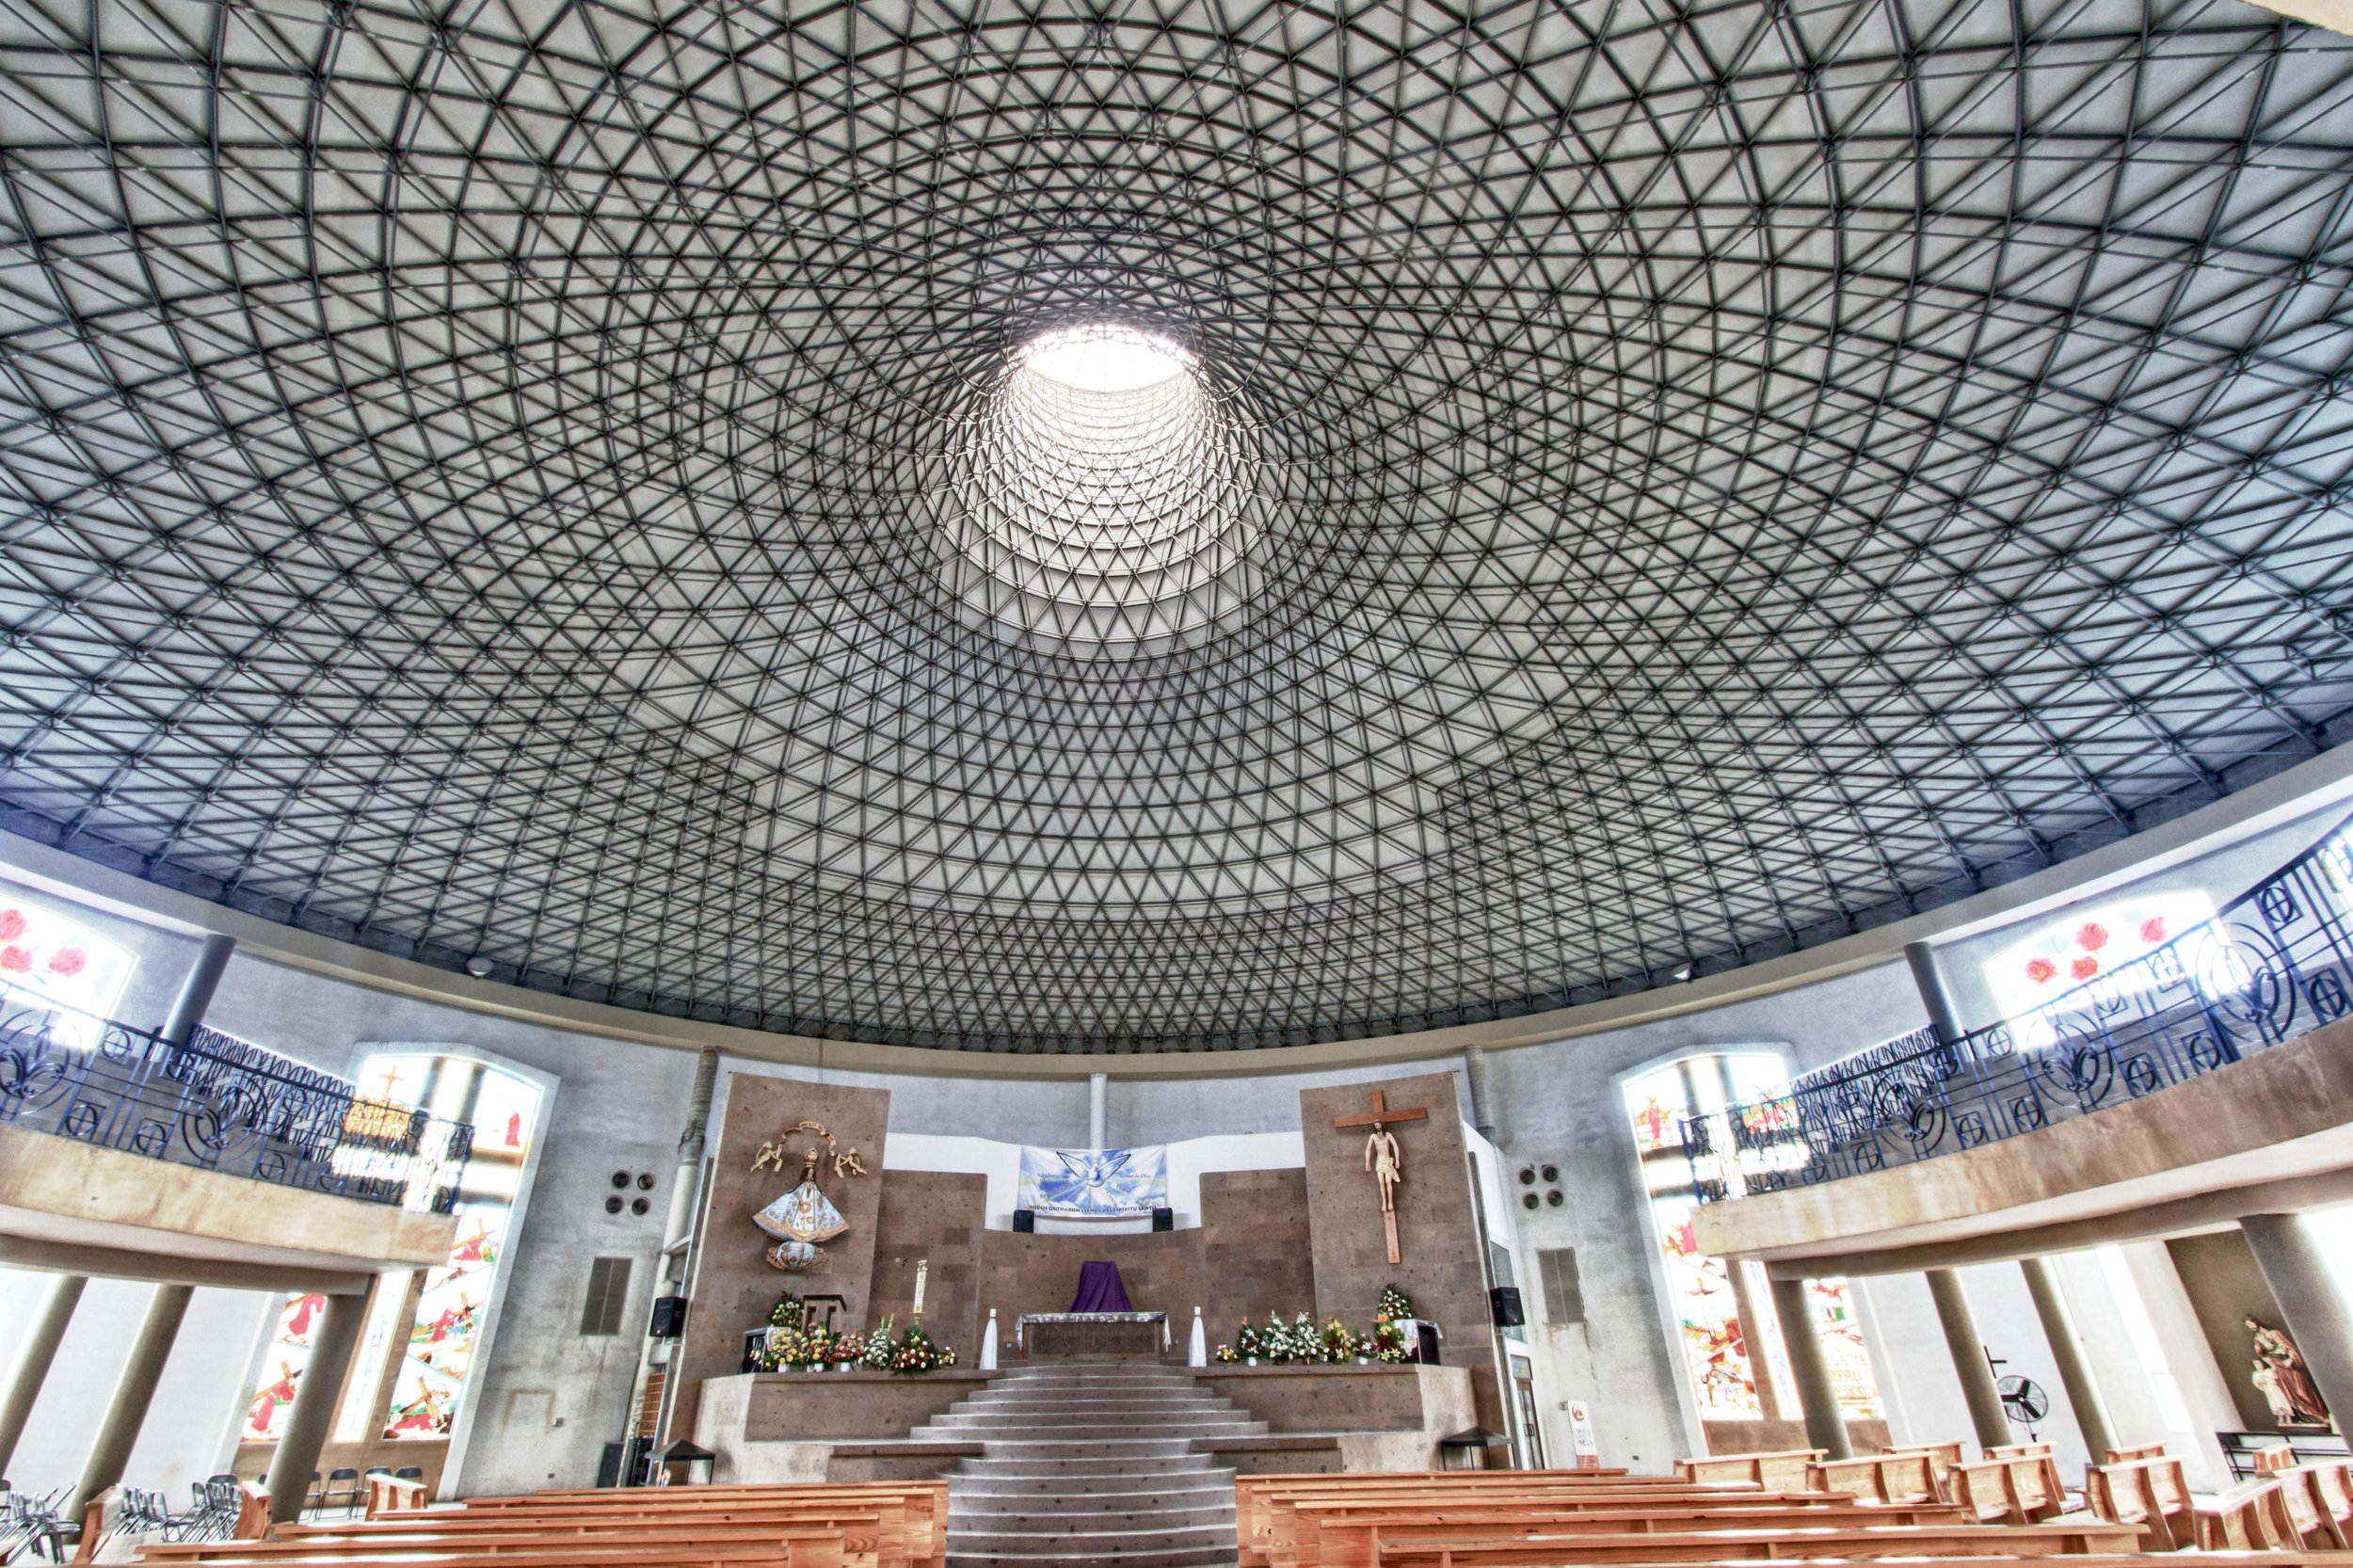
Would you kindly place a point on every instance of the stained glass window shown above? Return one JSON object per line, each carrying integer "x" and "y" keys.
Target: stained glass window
{"x": 2086, "y": 945}
{"x": 1706, "y": 1294}
{"x": 437, "y": 1354}
{"x": 50, "y": 962}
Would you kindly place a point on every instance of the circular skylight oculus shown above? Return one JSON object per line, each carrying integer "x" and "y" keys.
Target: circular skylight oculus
{"x": 1104, "y": 495}
{"x": 1106, "y": 360}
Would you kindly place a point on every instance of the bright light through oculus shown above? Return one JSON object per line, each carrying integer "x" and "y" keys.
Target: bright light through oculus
{"x": 1104, "y": 493}
{"x": 1104, "y": 358}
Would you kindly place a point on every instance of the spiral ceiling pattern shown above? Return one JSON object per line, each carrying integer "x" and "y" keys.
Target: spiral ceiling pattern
{"x": 577, "y": 485}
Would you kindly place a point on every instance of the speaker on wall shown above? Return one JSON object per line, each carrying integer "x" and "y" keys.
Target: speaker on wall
{"x": 1025, "y": 1219}
{"x": 670, "y": 1318}
{"x": 1505, "y": 1301}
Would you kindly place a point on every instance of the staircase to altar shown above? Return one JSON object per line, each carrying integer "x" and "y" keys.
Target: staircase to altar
{"x": 1093, "y": 1467}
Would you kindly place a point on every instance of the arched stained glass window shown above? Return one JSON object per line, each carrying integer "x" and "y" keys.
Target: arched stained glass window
{"x": 1715, "y": 1302}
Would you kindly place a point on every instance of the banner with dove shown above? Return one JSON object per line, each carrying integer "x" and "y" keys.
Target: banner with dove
{"x": 1094, "y": 1184}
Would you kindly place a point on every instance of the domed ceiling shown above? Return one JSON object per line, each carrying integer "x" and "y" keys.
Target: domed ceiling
{"x": 1151, "y": 526}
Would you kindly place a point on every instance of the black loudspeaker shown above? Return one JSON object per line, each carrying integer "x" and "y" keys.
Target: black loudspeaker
{"x": 1164, "y": 1219}
{"x": 1505, "y": 1301}
{"x": 670, "y": 1318}
{"x": 1025, "y": 1219}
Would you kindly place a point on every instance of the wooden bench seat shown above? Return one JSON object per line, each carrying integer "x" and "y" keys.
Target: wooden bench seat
{"x": 1355, "y": 1540}
{"x": 1868, "y": 1542}
{"x": 1267, "y": 1521}
{"x": 1888, "y": 1477}
{"x": 2151, "y": 1493}
{"x": 655, "y": 1552}
{"x": 2017, "y": 1489}
{"x": 1257, "y": 1497}
{"x": 1786, "y": 1468}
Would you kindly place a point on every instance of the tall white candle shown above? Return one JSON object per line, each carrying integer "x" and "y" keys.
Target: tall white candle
{"x": 922, "y": 1271}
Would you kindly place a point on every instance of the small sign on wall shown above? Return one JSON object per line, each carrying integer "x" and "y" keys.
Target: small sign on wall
{"x": 1581, "y": 1436}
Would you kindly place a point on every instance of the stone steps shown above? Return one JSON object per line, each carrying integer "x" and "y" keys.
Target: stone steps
{"x": 1091, "y": 1466}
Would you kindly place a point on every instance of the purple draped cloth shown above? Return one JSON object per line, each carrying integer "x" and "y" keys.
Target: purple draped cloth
{"x": 1101, "y": 1290}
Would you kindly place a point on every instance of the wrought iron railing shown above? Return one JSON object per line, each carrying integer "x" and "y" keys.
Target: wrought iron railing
{"x": 220, "y": 1104}
{"x": 2274, "y": 964}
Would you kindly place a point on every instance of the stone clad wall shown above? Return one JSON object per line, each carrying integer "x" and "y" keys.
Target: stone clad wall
{"x": 932, "y": 1215}
{"x": 1436, "y": 1228}
{"x": 734, "y": 1286}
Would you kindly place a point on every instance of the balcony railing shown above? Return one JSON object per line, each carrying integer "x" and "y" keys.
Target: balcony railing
{"x": 2274, "y": 964}
{"x": 220, "y": 1104}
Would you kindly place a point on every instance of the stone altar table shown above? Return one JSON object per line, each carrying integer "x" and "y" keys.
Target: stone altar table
{"x": 1092, "y": 1336}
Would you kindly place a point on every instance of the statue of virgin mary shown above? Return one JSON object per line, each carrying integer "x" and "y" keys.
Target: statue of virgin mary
{"x": 801, "y": 1219}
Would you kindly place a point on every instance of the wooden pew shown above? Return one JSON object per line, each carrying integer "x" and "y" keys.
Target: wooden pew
{"x": 2250, "y": 1517}
{"x": 1266, "y": 1519}
{"x": 1786, "y": 1468}
{"x": 2150, "y": 1492}
{"x": 1257, "y": 1497}
{"x": 1866, "y": 1542}
{"x": 1886, "y": 1478}
{"x": 660, "y": 1550}
{"x": 2017, "y": 1489}
{"x": 868, "y": 1527}
{"x": 387, "y": 1494}
{"x": 2137, "y": 1451}
{"x": 1355, "y": 1538}
{"x": 924, "y": 1505}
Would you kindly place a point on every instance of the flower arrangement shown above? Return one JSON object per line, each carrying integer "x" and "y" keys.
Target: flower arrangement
{"x": 918, "y": 1352}
{"x": 1388, "y": 1340}
{"x": 1227, "y": 1355}
{"x": 881, "y": 1351}
{"x": 848, "y": 1350}
{"x": 1339, "y": 1341}
{"x": 788, "y": 1312}
{"x": 1249, "y": 1343}
{"x": 1395, "y": 1303}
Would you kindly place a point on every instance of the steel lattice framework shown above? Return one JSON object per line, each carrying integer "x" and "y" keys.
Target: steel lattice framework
{"x": 561, "y": 481}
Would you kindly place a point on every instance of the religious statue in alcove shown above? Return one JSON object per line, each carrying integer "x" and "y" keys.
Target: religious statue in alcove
{"x": 803, "y": 1218}
{"x": 2284, "y": 1381}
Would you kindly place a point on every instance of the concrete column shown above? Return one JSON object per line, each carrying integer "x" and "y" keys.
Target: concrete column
{"x": 305, "y": 1431}
{"x": 1936, "y": 995}
{"x": 1753, "y": 1330}
{"x": 1098, "y": 1108}
{"x": 2301, "y": 1282}
{"x": 135, "y": 1390}
{"x": 2059, "y": 1327}
{"x": 33, "y": 1358}
{"x": 1967, "y": 1350}
{"x": 669, "y": 1269}
{"x": 1817, "y": 1400}
{"x": 196, "y": 988}
{"x": 1482, "y": 1100}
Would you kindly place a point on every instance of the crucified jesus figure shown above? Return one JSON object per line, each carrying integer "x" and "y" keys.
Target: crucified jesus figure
{"x": 1386, "y": 1163}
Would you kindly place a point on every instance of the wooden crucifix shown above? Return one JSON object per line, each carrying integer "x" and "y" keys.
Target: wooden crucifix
{"x": 1383, "y": 1158}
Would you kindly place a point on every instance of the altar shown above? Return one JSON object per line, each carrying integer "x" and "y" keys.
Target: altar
{"x": 1092, "y": 1336}
{"x": 1100, "y": 1325}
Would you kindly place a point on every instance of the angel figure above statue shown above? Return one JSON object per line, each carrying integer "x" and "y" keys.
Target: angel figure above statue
{"x": 2284, "y": 1381}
